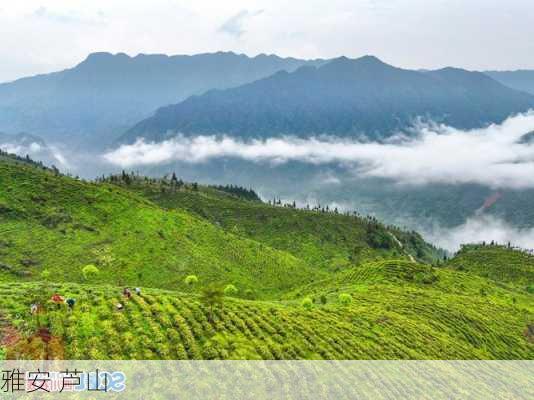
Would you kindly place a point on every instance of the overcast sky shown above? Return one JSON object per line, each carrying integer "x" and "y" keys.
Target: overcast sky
{"x": 39, "y": 36}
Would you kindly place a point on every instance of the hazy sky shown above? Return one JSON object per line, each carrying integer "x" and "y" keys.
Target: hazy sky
{"x": 39, "y": 36}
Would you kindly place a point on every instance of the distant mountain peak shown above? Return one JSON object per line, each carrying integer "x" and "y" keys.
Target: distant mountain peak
{"x": 370, "y": 59}
{"x": 99, "y": 97}
{"x": 344, "y": 97}
{"x": 103, "y": 55}
{"x": 102, "y": 59}
{"x": 365, "y": 61}
{"x": 344, "y": 66}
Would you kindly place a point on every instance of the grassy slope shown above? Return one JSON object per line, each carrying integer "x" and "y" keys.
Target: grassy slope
{"x": 384, "y": 321}
{"x": 60, "y": 224}
{"x": 498, "y": 263}
{"x": 331, "y": 241}
{"x": 400, "y": 309}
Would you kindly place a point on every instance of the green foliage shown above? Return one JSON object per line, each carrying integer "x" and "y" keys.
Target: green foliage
{"x": 45, "y": 275}
{"x": 133, "y": 241}
{"x": 345, "y": 298}
{"x": 238, "y": 191}
{"x": 499, "y": 263}
{"x": 212, "y": 296}
{"x": 307, "y": 303}
{"x": 90, "y": 272}
{"x": 378, "y": 238}
{"x": 191, "y": 280}
{"x": 425, "y": 277}
{"x": 400, "y": 309}
{"x": 230, "y": 290}
{"x": 387, "y": 319}
{"x": 322, "y": 239}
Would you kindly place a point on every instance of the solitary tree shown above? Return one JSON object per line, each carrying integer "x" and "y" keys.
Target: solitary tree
{"x": 212, "y": 296}
{"x": 90, "y": 272}
{"x": 191, "y": 280}
{"x": 230, "y": 290}
{"x": 345, "y": 298}
{"x": 307, "y": 303}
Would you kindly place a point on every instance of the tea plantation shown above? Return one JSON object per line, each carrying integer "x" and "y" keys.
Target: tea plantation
{"x": 298, "y": 284}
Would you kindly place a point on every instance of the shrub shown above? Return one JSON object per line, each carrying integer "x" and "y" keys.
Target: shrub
{"x": 212, "y": 296}
{"x": 230, "y": 290}
{"x": 90, "y": 272}
{"x": 425, "y": 278}
{"x": 307, "y": 303}
{"x": 191, "y": 280}
{"x": 345, "y": 298}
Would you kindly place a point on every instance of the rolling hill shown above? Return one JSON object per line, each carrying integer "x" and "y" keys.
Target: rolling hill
{"x": 105, "y": 94}
{"x": 137, "y": 242}
{"x": 322, "y": 237}
{"x": 302, "y": 291}
{"x": 496, "y": 262}
{"x": 132, "y": 241}
{"x": 344, "y": 97}
{"x": 391, "y": 316}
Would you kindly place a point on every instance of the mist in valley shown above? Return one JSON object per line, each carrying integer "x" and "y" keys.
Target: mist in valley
{"x": 437, "y": 181}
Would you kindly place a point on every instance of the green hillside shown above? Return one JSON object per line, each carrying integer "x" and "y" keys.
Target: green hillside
{"x": 59, "y": 224}
{"x": 387, "y": 318}
{"x": 499, "y": 263}
{"x": 327, "y": 239}
{"x": 308, "y": 284}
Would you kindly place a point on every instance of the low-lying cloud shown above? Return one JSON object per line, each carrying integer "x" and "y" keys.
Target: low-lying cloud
{"x": 480, "y": 229}
{"x": 37, "y": 151}
{"x": 494, "y": 156}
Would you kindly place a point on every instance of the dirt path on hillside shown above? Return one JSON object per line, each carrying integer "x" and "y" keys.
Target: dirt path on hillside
{"x": 412, "y": 259}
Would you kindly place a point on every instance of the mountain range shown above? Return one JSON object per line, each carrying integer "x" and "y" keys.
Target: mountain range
{"x": 106, "y": 94}
{"x": 344, "y": 97}
{"x": 520, "y": 80}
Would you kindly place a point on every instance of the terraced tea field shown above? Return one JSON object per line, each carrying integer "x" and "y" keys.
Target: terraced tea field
{"x": 385, "y": 320}
{"x": 302, "y": 284}
{"x": 500, "y": 263}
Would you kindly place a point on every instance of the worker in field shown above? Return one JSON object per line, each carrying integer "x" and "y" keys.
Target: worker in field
{"x": 57, "y": 299}
{"x": 70, "y": 303}
{"x": 127, "y": 293}
{"x": 138, "y": 291}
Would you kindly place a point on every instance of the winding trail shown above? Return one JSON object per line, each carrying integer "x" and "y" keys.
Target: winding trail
{"x": 412, "y": 259}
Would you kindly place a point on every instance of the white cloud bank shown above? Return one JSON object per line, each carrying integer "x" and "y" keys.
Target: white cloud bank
{"x": 479, "y": 229}
{"x": 492, "y": 156}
